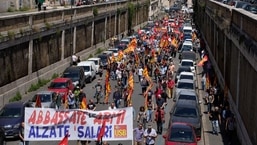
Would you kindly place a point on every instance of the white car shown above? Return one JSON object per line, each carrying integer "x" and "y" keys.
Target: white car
{"x": 97, "y": 62}
{"x": 186, "y": 75}
{"x": 186, "y": 46}
{"x": 89, "y": 70}
{"x": 188, "y": 62}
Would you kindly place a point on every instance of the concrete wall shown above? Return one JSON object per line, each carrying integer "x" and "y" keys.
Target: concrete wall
{"x": 35, "y": 46}
{"x": 231, "y": 38}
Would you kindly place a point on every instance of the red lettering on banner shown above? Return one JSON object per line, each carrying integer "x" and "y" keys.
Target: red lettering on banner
{"x": 73, "y": 118}
{"x": 47, "y": 118}
{"x": 121, "y": 117}
{"x": 108, "y": 117}
{"x": 79, "y": 113}
{"x": 32, "y": 117}
{"x": 40, "y": 117}
{"x": 54, "y": 119}
{"x": 83, "y": 119}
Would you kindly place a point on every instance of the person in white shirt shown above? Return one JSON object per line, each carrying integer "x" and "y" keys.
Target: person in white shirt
{"x": 150, "y": 135}
{"x": 118, "y": 74}
{"x": 140, "y": 73}
{"x": 112, "y": 106}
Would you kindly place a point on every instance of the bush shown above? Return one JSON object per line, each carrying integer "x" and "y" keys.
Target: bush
{"x": 55, "y": 75}
{"x": 24, "y": 8}
{"x": 99, "y": 50}
{"x": 95, "y": 11}
{"x": 17, "y": 97}
{"x": 10, "y": 9}
{"x": 40, "y": 83}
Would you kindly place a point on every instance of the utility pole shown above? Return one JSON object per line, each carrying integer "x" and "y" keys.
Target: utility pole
{"x": 71, "y": 33}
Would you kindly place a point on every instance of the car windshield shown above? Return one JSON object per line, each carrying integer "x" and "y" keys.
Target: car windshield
{"x": 184, "y": 69}
{"x": 181, "y": 135}
{"x": 190, "y": 77}
{"x": 187, "y": 32}
{"x": 185, "y": 112}
{"x": 186, "y": 48}
{"x": 86, "y": 68}
{"x": 43, "y": 98}
{"x": 103, "y": 58}
{"x": 187, "y": 97}
{"x": 73, "y": 76}
{"x": 58, "y": 85}
{"x": 10, "y": 112}
{"x": 185, "y": 85}
{"x": 187, "y": 63}
{"x": 186, "y": 55}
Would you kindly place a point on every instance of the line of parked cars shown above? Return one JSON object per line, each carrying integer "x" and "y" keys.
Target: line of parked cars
{"x": 248, "y": 5}
{"x": 185, "y": 122}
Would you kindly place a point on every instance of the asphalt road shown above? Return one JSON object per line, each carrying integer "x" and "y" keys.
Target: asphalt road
{"x": 137, "y": 101}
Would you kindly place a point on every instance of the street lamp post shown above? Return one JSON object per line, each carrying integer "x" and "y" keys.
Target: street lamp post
{"x": 71, "y": 34}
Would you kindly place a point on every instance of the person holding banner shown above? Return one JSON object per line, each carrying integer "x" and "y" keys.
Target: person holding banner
{"x": 150, "y": 135}
{"x": 21, "y": 135}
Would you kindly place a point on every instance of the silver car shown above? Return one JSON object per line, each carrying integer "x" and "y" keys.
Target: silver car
{"x": 187, "y": 95}
{"x": 184, "y": 84}
{"x": 46, "y": 98}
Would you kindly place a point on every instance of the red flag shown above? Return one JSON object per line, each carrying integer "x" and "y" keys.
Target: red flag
{"x": 38, "y": 102}
{"x": 102, "y": 131}
{"x": 64, "y": 141}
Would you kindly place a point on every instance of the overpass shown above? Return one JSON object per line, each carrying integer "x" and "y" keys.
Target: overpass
{"x": 230, "y": 35}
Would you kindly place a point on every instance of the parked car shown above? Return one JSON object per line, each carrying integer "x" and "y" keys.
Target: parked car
{"x": 104, "y": 60}
{"x": 46, "y": 98}
{"x": 61, "y": 86}
{"x": 240, "y": 4}
{"x": 11, "y": 117}
{"x": 184, "y": 84}
{"x": 125, "y": 41}
{"x": 182, "y": 69}
{"x": 186, "y": 46}
{"x": 188, "y": 62}
{"x": 2, "y": 135}
{"x": 97, "y": 62}
{"x": 76, "y": 74}
{"x": 89, "y": 70}
{"x": 187, "y": 111}
{"x": 187, "y": 95}
{"x": 180, "y": 134}
{"x": 189, "y": 55}
{"x": 186, "y": 75}
{"x": 115, "y": 51}
{"x": 108, "y": 53}
{"x": 250, "y": 8}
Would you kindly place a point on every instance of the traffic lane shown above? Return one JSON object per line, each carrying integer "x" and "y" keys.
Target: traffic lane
{"x": 137, "y": 101}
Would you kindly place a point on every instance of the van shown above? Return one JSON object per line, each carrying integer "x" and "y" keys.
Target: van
{"x": 76, "y": 74}
{"x": 187, "y": 31}
{"x": 97, "y": 62}
{"x": 89, "y": 70}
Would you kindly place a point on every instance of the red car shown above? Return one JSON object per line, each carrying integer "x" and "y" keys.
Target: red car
{"x": 180, "y": 133}
{"x": 61, "y": 86}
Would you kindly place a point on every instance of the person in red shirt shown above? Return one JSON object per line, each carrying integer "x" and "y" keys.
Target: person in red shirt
{"x": 157, "y": 92}
{"x": 170, "y": 84}
{"x": 159, "y": 118}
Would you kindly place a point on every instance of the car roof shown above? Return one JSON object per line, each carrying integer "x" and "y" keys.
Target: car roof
{"x": 45, "y": 92}
{"x": 94, "y": 58}
{"x": 125, "y": 39}
{"x": 186, "y": 103}
{"x": 186, "y": 81}
{"x": 188, "y": 60}
{"x": 15, "y": 104}
{"x": 82, "y": 63}
{"x": 187, "y": 92}
{"x": 110, "y": 49}
{"x": 187, "y": 73}
{"x": 187, "y": 43}
{"x": 180, "y": 125}
{"x": 106, "y": 51}
{"x": 184, "y": 67}
{"x": 60, "y": 80}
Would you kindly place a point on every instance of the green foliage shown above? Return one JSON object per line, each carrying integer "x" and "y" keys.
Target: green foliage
{"x": 98, "y": 51}
{"x": 1, "y": 37}
{"x": 10, "y": 34}
{"x": 24, "y": 8}
{"x": 95, "y": 11}
{"x": 48, "y": 26}
{"x": 90, "y": 56}
{"x": 21, "y": 31}
{"x": 10, "y": 9}
{"x": 131, "y": 13}
{"x": 17, "y": 97}
{"x": 55, "y": 75}
{"x": 58, "y": 32}
{"x": 40, "y": 83}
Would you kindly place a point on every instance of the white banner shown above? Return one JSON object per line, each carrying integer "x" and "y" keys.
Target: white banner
{"x": 46, "y": 124}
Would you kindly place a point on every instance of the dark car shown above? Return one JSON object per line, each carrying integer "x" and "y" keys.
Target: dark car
{"x": 187, "y": 111}
{"x": 11, "y": 117}
{"x": 76, "y": 74}
{"x": 188, "y": 55}
{"x": 104, "y": 60}
{"x": 2, "y": 135}
{"x": 182, "y": 69}
{"x": 180, "y": 134}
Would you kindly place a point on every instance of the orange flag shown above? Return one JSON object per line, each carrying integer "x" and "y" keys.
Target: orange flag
{"x": 38, "y": 102}
{"x": 102, "y": 131}
{"x": 83, "y": 103}
{"x": 64, "y": 141}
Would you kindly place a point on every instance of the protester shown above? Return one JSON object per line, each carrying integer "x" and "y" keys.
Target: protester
{"x": 159, "y": 119}
{"x": 139, "y": 135}
{"x": 150, "y": 135}
{"x": 21, "y": 135}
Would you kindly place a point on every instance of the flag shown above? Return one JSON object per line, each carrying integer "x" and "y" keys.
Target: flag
{"x": 107, "y": 87}
{"x": 38, "y": 102}
{"x": 131, "y": 81}
{"x": 145, "y": 73}
{"x": 205, "y": 58}
{"x": 83, "y": 103}
{"x": 120, "y": 55}
{"x": 207, "y": 84}
{"x": 102, "y": 131}
{"x": 64, "y": 141}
